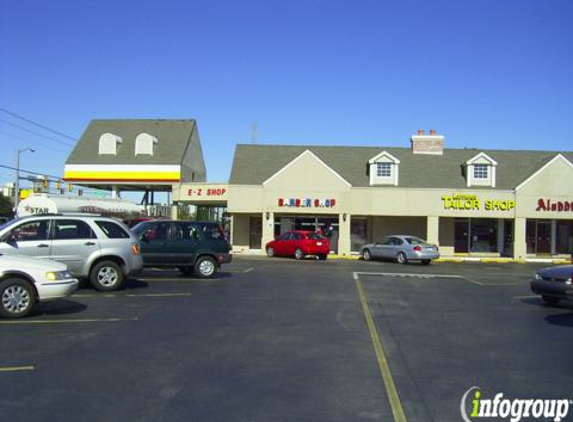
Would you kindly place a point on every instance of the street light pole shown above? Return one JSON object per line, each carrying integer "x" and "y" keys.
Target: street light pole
{"x": 17, "y": 181}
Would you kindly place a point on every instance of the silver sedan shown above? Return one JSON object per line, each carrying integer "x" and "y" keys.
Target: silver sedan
{"x": 402, "y": 248}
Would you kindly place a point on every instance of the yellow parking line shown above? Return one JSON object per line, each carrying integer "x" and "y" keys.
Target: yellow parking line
{"x": 16, "y": 368}
{"x": 65, "y": 321}
{"x": 391, "y": 390}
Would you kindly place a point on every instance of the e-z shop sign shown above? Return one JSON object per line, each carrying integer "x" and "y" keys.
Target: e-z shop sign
{"x": 205, "y": 192}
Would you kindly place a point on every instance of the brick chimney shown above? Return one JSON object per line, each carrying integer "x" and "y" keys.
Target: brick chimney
{"x": 432, "y": 144}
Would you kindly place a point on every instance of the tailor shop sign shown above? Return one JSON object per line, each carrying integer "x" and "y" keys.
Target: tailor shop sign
{"x": 468, "y": 202}
{"x": 306, "y": 203}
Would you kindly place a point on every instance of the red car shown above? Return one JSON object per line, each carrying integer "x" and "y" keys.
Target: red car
{"x": 299, "y": 244}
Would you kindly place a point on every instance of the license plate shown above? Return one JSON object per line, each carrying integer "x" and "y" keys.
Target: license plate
{"x": 318, "y": 243}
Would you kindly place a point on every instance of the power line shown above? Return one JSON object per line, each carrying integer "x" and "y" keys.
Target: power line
{"x": 32, "y": 122}
{"x": 35, "y": 133}
{"x": 55, "y": 178}
{"x": 12, "y": 135}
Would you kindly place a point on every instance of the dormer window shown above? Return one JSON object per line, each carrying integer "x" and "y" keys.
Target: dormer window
{"x": 383, "y": 169}
{"x": 481, "y": 171}
{"x": 109, "y": 144}
{"x": 145, "y": 144}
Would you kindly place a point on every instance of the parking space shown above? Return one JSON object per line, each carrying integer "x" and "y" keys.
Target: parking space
{"x": 282, "y": 340}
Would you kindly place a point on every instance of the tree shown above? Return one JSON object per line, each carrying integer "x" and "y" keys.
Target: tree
{"x": 5, "y": 206}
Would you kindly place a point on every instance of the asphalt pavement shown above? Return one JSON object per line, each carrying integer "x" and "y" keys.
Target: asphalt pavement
{"x": 281, "y": 340}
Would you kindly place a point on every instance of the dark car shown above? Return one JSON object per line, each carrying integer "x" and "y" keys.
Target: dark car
{"x": 299, "y": 243}
{"x": 193, "y": 247}
{"x": 554, "y": 284}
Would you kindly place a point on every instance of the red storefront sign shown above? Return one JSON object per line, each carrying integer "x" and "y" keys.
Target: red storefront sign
{"x": 551, "y": 205}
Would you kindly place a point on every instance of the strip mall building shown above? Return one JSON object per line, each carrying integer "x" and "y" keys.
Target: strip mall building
{"x": 477, "y": 202}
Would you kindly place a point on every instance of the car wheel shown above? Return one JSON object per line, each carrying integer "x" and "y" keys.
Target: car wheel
{"x": 298, "y": 254}
{"x": 17, "y": 298}
{"x": 270, "y": 252}
{"x": 186, "y": 270}
{"x": 550, "y": 300}
{"x": 205, "y": 267}
{"x": 366, "y": 255}
{"x": 106, "y": 276}
{"x": 322, "y": 257}
{"x": 426, "y": 261}
{"x": 401, "y": 258}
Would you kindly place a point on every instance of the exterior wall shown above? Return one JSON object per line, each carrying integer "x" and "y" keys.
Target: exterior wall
{"x": 446, "y": 236}
{"x": 385, "y": 226}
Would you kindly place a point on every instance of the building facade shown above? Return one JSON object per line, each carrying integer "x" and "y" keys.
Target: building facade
{"x": 486, "y": 203}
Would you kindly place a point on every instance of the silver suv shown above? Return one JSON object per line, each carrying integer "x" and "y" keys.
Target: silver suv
{"x": 100, "y": 249}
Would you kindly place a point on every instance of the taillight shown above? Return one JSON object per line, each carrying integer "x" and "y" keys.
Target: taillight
{"x": 135, "y": 248}
{"x": 417, "y": 248}
{"x": 569, "y": 280}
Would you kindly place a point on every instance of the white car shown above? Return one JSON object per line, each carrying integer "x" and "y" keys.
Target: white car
{"x": 25, "y": 281}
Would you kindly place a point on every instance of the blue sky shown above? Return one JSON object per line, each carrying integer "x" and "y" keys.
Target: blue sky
{"x": 486, "y": 74}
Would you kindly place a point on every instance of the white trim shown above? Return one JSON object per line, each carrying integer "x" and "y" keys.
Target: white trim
{"x": 316, "y": 158}
{"x": 481, "y": 155}
{"x": 550, "y": 162}
{"x": 121, "y": 167}
{"x": 383, "y": 154}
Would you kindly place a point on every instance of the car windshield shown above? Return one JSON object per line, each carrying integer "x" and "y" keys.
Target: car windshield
{"x": 413, "y": 240}
{"x": 9, "y": 223}
{"x": 140, "y": 227}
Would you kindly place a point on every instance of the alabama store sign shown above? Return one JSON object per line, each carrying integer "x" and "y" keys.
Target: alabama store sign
{"x": 552, "y": 205}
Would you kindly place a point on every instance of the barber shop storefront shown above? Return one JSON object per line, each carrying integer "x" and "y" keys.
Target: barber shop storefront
{"x": 477, "y": 203}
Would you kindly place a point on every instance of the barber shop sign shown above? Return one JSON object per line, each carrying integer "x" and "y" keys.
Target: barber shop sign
{"x": 306, "y": 203}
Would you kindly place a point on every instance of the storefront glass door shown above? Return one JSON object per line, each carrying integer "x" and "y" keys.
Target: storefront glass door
{"x": 461, "y": 235}
{"x": 538, "y": 235}
{"x": 483, "y": 235}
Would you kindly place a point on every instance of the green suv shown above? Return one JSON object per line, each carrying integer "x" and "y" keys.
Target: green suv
{"x": 193, "y": 247}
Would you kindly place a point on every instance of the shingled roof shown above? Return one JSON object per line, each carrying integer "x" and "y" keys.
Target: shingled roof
{"x": 174, "y": 137}
{"x": 253, "y": 164}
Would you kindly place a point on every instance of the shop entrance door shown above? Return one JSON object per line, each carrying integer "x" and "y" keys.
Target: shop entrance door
{"x": 461, "y": 236}
{"x": 255, "y": 232}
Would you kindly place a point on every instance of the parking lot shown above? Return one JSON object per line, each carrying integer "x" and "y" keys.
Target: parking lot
{"x": 283, "y": 340}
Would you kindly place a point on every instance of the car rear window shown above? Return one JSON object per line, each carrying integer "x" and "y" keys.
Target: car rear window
{"x": 112, "y": 230}
{"x": 415, "y": 240}
{"x": 316, "y": 236}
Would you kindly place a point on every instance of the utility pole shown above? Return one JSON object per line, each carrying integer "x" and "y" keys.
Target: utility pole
{"x": 17, "y": 181}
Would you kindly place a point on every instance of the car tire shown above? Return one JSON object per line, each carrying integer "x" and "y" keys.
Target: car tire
{"x": 298, "y": 254}
{"x": 205, "y": 267}
{"x": 322, "y": 257}
{"x": 106, "y": 276}
{"x": 17, "y": 298}
{"x": 270, "y": 252}
{"x": 401, "y": 258}
{"x": 550, "y": 300}
{"x": 366, "y": 255}
{"x": 188, "y": 271}
{"x": 426, "y": 261}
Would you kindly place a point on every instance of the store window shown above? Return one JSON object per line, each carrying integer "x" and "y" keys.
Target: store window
{"x": 475, "y": 235}
{"x": 358, "y": 231}
{"x": 564, "y": 240}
